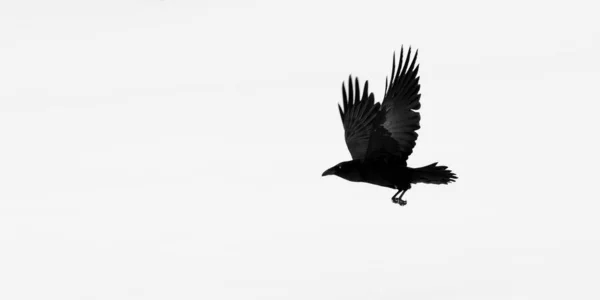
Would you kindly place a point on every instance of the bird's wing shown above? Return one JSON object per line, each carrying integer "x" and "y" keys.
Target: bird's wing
{"x": 357, "y": 116}
{"x": 396, "y": 123}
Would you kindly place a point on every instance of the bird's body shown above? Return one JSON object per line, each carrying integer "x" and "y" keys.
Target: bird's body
{"x": 380, "y": 137}
{"x": 377, "y": 171}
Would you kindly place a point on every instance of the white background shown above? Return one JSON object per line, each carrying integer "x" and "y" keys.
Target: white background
{"x": 174, "y": 150}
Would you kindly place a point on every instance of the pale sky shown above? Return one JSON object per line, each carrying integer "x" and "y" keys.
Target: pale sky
{"x": 174, "y": 150}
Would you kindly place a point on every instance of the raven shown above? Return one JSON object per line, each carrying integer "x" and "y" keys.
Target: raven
{"x": 381, "y": 136}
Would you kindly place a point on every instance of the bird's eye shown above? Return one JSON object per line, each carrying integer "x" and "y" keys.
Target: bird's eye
{"x": 339, "y": 167}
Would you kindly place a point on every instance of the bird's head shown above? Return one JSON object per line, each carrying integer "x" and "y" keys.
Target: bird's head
{"x": 347, "y": 170}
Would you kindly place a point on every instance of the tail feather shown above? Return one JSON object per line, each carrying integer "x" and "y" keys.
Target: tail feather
{"x": 433, "y": 174}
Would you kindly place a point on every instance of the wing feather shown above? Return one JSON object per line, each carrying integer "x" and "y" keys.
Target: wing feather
{"x": 398, "y": 120}
{"x": 358, "y": 115}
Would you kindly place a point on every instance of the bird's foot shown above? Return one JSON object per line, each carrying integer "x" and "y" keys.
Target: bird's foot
{"x": 399, "y": 201}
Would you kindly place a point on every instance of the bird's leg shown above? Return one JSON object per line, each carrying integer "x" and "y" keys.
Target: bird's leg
{"x": 394, "y": 199}
{"x": 399, "y": 199}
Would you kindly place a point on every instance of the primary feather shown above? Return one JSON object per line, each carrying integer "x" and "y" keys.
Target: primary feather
{"x": 357, "y": 116}
{"x": 397, "y": 121}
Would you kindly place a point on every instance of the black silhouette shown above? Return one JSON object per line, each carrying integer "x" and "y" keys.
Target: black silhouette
{"x": 380, "y": 137}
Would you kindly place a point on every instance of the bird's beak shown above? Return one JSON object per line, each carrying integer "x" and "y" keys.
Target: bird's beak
{"x": 329, "y": 171}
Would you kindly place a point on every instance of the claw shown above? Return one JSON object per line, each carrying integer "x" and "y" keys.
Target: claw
{"x": 402, "y": 202}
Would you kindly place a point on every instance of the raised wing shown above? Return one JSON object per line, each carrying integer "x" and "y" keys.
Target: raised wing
{"x": 397, "y": 121}
{"x": 357, "y": 116}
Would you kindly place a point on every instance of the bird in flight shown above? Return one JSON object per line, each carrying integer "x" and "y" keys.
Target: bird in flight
{"x": 381, "y": 136}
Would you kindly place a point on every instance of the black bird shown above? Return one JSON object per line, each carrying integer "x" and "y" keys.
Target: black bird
{"x": 380, "y": 137}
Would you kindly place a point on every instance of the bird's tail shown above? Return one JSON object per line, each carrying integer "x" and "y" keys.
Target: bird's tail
{"x": 433, "y": 174}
